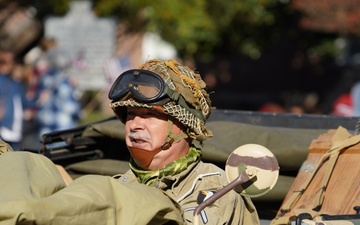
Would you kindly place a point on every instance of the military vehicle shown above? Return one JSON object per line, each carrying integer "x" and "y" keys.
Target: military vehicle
{"x": 99, "y": 148}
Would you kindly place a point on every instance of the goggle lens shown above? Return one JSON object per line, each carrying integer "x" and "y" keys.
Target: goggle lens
{"x": 145, "y": 86}
{"x": 118, "y": 89}
{"x": 146, "y": 91}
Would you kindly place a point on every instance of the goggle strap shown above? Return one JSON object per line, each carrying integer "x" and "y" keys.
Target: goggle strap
{"x": 176, "y": 97}
{"x": 195, "y": 112}
{"x": 172, "y": 94}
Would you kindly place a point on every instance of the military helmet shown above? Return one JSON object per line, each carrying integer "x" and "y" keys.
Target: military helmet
{"x": 168, "y": 87}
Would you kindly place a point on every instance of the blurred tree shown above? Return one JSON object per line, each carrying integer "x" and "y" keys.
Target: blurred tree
{"x": 43, "y": 8}
{"x": 332, "y": 16}
{"x": 341, "y": 18}
{"x": 201, "y": 26}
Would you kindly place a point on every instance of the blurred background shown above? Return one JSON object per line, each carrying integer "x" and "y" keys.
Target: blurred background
{"x": 283, "y": 56}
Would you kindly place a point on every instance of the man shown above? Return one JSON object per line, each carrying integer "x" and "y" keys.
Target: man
{"x": 11, "y": 102}
{"x": 164, "y": 106}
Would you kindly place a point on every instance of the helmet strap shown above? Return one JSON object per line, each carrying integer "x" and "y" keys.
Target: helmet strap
{"x": 171, "y": 137}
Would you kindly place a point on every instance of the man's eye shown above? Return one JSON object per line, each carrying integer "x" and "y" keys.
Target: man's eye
{"x": 151, "y": 113}
{"x": 130, "y": 115}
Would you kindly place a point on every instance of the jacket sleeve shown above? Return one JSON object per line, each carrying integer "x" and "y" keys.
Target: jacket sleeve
{"x": 34, "y": 193}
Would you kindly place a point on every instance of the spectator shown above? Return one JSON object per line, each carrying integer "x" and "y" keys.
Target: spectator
{"x": 58, "y": 107}
{"x": 343, "y": 105}
{"x": 11, "y": 101}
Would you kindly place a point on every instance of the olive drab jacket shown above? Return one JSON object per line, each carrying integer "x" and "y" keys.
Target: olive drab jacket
{"x": 32, "y": 191}
{"x": 192, "y": 186}
{"x": 5, "y": 147}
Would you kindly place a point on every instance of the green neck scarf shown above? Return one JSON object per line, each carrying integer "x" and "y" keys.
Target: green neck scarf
{"x": 148, "y": 177}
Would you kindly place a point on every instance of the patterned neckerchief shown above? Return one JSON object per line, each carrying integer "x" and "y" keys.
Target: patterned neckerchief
{"x": 148, "y": 177}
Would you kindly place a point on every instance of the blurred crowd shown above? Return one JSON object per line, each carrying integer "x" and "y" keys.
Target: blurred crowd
{"x": 345, "y": 101}
{"x": 36, "y": 95}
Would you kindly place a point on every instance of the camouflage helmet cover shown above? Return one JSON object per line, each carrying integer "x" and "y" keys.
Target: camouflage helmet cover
{"x": 188, "y": 84}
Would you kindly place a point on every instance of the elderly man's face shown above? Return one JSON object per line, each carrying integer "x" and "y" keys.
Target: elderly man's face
{"x": 147, "y": 129}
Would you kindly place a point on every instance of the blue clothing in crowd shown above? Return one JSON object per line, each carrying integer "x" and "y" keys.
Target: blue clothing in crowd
{"x": 12, "y": 103}
{"x": 61, "y": 108}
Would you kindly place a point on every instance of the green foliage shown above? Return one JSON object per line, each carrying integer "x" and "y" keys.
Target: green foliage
{"x": 57, "y": 7}
{"x": 43, "y": 8}
{"x": 324, "y": 48}
{"x": 197, "y": 26}
{"x": 204, "y": 28}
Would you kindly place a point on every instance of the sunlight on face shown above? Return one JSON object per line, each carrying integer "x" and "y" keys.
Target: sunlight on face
{"x": 147, "y": 129}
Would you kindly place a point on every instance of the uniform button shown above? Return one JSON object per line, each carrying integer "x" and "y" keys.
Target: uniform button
{"x": 125, "y": 179}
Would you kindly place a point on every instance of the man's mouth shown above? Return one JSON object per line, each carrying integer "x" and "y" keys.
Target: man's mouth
{"x": 137, "y": 141}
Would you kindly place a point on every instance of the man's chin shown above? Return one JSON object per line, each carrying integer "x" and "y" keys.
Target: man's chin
{"x": 143, "y": 146}
{"x": 143, "y": 157}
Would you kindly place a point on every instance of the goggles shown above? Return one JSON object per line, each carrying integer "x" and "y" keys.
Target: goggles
{"x": 146, "y": 87}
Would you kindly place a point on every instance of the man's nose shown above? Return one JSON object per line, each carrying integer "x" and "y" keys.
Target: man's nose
{"x": 137, "y": 123}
